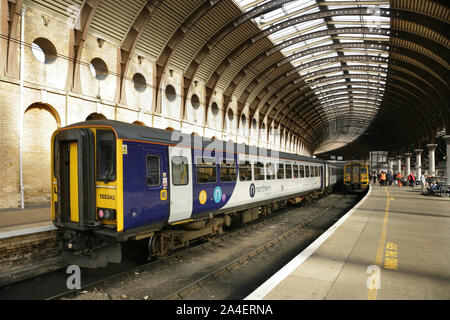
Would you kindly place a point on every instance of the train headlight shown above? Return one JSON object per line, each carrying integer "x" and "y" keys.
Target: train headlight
{"x": 106, "y": 214}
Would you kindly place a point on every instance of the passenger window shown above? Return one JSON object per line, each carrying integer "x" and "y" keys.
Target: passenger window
{"x": 258, "y": 171}
{"x": 288, "y": 171}
{"x": 270, "y": 171}
{"x": 245, "y": 171}
{"x": 311, "y": 172}
{"x": 307, "y": 171}
{"x": 206, "y": 170}
{"x": 280, "y": 171}
{"x": 302, "y": 171}
{"x": 317, "y": 172}
{"x": 153, "y": 175}
{"x": 180, "y": 171}
{"x": 228, "y": 170}
{"x": 295, "y": 175}
{"x": 106, "y": 156}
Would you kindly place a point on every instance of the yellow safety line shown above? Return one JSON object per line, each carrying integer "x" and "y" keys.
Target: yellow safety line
{"x": 373, "y": 292}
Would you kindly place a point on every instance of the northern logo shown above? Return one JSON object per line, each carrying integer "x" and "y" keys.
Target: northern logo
{"x": 252, "y": 190}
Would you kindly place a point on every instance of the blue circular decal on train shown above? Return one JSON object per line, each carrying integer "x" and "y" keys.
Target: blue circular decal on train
{"x": 217, "y": 194}
{"x": 252, "y": 190}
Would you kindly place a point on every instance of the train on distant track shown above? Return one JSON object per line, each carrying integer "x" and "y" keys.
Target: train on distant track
{"x": 114, "y": 182}
{"x": 356, "y": 176}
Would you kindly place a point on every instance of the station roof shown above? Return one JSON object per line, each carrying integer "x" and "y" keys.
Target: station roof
{"x": 332, "y": 72}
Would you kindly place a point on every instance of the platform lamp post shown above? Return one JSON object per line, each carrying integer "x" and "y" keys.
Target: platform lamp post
{"x": 408, "y": 163}
{"x": 431, "y": 159}
{"x": 418, "y": 153}
{"x": 447, "y": 156}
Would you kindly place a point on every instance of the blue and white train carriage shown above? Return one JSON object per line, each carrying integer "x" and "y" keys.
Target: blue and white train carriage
{"x": 113, "y": 181}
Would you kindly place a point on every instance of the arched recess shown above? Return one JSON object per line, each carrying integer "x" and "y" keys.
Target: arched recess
{"x": 39, "y": 122}
{"x": 95, "y": 116}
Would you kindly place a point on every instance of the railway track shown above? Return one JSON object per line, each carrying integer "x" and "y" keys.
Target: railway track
{"x": 198, "y": 284}
{"x": 97, "y": 278}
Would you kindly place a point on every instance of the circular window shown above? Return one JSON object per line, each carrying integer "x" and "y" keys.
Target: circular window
{"x": 140, "y": 84}
{"x": 243, "y": 120}
{"x": 195, "y": 101}
{"x": 43, "y": 50}
{"x": 230, "y": 114}
{"x": 171, "y": 93}
{"x": 215, "y": 109}
{"x": 254, "y": 124}
{"x": 98, "y": 69}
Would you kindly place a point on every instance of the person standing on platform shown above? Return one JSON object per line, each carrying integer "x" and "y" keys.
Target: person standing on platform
{"x": 412, "y": 180}
{"x": 399, "y": 178}
{"x": 383, "y": 179}
{"x": 423, "y": 182}
{"x": 388, "y": 178}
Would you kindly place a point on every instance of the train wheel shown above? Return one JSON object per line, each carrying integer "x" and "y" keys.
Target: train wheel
{"x": 157, "y": 247}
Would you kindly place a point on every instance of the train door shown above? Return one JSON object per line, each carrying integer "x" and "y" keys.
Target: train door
{"x": 180, "y": 183}
{"x": 321, "y": 176}
{"x": 355, "y": 174}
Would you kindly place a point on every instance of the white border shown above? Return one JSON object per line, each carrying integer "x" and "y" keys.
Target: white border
{"x": 282, "y": 274}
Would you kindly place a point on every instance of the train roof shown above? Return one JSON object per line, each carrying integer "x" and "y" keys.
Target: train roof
{"x": 137, "y": 132}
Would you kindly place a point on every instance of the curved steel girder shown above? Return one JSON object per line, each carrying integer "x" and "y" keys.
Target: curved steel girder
{"x": 411, "y": 92}
{"x": 363, "y": 58}
{"x": 313, "y": 120}
{"x": 250, "y": 65}
{"x": 222, "y": 33}
{"x": 270, "y": 6}
{"x": 300, "y": 107}
{"x": 391, "y": 101}
{"x": 401, "y": 34}
{"x": 321, "y": 14}
{"x": 443, "y": 85}
{"x": 393, "y": 114}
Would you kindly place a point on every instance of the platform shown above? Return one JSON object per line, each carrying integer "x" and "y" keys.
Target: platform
{"x": 15, "y": 222}
{"x": 395, "y": 244}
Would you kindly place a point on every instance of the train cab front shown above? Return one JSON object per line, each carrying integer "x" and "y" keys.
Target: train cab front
{"x": 84, "y": 194}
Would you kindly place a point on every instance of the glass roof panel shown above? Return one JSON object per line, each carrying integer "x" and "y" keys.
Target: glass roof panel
{"x": 351, "y": 78}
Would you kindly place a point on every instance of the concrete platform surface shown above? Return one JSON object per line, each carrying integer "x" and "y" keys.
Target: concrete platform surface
{"x": 15, "y": 222}
{"x": 394, "y": 245}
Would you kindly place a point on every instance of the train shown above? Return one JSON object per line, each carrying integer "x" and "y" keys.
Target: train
{"x": 114, "y": 182}
{"x": 356, "y": 176}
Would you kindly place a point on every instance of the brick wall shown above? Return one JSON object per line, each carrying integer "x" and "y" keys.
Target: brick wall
{"x": 21, "y": 254}
{"x": 46, "y": 84}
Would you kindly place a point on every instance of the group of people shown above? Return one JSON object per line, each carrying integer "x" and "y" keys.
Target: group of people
{"x": 388, "y": 178}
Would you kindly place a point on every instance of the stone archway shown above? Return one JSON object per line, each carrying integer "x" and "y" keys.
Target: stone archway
{"x": 39, "y": 123}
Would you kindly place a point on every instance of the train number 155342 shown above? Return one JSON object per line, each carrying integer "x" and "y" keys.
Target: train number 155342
{"x": 107, "y": 196}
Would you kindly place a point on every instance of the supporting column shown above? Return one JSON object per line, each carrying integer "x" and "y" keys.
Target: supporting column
{"x": 418, "y": 153}
{"x": 408, "y": 163}
{"x": 431, "y": 159}
{"x": 391, "y": 165}
{"x": 399, "y": 163}
{"x": 447, "y": 140}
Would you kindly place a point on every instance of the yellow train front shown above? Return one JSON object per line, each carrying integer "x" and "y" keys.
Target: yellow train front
{"x": 356, "y": 176}
{"x": 86, "y": 193}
